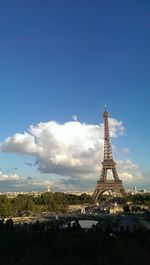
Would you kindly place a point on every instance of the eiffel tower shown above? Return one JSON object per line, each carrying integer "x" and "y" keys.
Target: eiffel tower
{"x": 108, "y": 164}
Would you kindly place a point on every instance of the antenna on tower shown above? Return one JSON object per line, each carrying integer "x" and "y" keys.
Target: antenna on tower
{"x": 104, "y": 109}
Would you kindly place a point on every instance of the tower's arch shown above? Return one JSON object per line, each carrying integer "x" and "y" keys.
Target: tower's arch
{"x": 99, "y": 195}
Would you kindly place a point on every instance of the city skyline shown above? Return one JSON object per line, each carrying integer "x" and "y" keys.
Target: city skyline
{"x": 60, "y": 64}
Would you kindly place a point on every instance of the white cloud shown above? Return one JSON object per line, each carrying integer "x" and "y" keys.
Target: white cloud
{"x": 21, "y": 143}
{"x": 125, "y": 150}
{"x": 9, "y": 178}
{"x": 14, "y": 182}
{"x": 128, "y": 171}
{"x": 72, "y": 149}
{"x": 116, "y": 127}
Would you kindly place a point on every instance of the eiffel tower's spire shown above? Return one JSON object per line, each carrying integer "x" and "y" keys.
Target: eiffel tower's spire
{"x": 108, "y": 164}
{"x": 107, "y": 144}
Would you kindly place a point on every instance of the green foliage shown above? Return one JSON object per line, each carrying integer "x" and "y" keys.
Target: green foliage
{"x": 6, "y": 207}
{"x": 48, "y": 201}
{"x": 59, "y": 202}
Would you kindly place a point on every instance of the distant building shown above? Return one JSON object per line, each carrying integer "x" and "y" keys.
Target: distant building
{"x": 79, "y": 193}
{"x": 15, "y": 194}
{"x": 48, "y": 189}
{"x": 77, "y": 208}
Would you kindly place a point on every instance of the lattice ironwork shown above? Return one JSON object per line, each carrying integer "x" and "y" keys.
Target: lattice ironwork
{"x": 108, "y": 164}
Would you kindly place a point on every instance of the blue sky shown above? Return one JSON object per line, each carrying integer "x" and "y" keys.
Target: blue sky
{"x": 59, "y": 58}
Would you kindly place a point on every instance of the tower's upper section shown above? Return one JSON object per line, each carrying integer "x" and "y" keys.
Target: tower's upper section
{"x": 107, "y": 144}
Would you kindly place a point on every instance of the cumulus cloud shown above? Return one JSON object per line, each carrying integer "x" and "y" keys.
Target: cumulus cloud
{"x": 9, "y": 178}
{"x": 128, "y": 171}
{"x": 21, "y": 143}
{"x": 14, "y": 182}
{"x": 72, "y": 150}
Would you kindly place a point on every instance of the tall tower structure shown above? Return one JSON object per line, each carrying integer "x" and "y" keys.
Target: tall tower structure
{"x": 108, "y": 164}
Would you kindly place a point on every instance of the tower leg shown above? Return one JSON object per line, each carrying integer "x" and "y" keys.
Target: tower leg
{"x": 115, "y": 174}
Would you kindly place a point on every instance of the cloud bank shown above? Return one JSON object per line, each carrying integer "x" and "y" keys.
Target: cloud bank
{"x": 73, "y": 151}
{"x": 14, "y": 182}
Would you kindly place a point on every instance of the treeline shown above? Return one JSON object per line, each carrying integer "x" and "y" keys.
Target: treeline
{"x": 140, "y": 199}
{"x": 136, "y": 198}
{"x": 57, "y": 202}
{"x": 52, "y": 202}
